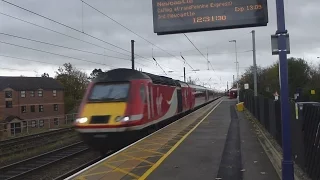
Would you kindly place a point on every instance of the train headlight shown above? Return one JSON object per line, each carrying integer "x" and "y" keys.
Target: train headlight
{"x": 126, "y": 118}
{"x": 122, "y": 118}
{"x": 81, "y": 120}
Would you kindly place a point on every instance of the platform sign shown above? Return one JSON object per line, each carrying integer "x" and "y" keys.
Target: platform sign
{"x": 246, "y": 86}
{"x": 181, "y": 16}
{"x": 274, "y": 44}
{"x": 313, "y": 92}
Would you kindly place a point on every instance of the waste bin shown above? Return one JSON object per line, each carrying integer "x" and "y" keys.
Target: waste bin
{"x": 240, "y": 106}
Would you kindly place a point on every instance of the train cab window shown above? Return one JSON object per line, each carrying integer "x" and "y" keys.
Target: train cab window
{"x": 109, "y": 92}
{"x": 143, "y": 94}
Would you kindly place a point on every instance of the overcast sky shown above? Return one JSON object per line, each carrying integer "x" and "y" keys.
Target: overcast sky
{"x": 302, "y": 22}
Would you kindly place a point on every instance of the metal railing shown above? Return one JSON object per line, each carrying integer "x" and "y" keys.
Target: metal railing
{"x": 23, "y": 127}
{"x": 305, "y": 127}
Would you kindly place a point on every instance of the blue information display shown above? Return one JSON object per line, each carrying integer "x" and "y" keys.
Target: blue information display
{"x": 181, "y": 16}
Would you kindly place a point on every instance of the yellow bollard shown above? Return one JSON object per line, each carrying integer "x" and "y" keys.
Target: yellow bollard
{"x": 240, "y": 106}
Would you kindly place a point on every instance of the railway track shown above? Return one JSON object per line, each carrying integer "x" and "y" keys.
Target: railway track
{"x": 46, "y": 164}
{"x": 32, "y": 165}
{"x": 79, "y": 168}
{"x": 17, "y": 145}
{"x": 16, "y": 140}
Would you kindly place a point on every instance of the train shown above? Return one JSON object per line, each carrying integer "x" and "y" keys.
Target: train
{"x": 121, "y": 103}
{"x": 233, "y": 93}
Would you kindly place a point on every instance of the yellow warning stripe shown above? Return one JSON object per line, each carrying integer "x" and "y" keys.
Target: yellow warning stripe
{"x": 149, "y": 171}
{"x": 138, "y": 159}
{"x": 148, "y": 150}
{"x": 122, "y": 170}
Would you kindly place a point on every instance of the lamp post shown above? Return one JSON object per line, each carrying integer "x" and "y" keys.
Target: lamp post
{"x": 237, "y": 67}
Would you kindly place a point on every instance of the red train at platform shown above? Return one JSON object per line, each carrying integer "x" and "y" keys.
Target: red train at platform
{"x": 233, "y": 93}
{"x": 123, "y": 102}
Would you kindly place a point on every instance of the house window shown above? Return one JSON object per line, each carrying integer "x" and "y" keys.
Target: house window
{"x": 25, "y": 124}
{"x": 8, "y": 94}
{"x": 54, "y": 92}
{"x": 33, "y": 123}
{"x": 40, "y": 93}
{"x": 23, "y": 94}
{"x": 56, "y": 121}
{"x": 33, "y": 108}
{"x": 40, "y": 108}
{"x": 15, "y": 128}
{"x": 55, "y": 107}
{"x": 41, "y": 123}
{"x": 23, "y": 109}
{"x": 32, "y": 93}
{"x": 8, "y": 104}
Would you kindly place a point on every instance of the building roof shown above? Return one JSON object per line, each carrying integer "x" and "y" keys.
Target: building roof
{"x": 10, "y": 118}
{"x": 29, "y": 83}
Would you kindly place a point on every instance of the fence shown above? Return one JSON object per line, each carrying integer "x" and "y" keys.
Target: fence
{"x": 19, "y": 127}
{"x": 305, "y": 126}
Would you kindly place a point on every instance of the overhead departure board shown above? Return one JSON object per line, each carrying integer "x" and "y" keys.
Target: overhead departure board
{"x": 181, "y": 16}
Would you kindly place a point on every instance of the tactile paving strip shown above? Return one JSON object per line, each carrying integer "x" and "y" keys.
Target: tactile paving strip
{"x": 133, "y": 162}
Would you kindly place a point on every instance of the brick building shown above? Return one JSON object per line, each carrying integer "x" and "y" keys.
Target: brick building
{"x": 30, "y": 102}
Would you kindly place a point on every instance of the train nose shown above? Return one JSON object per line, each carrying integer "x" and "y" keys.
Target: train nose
{"x": 103, "y": 113}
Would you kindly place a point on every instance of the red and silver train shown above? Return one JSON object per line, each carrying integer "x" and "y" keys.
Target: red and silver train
{"x": 122, "y": 101}
{"x": 233, "y": 93}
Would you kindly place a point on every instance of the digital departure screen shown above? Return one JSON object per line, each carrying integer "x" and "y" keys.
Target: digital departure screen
{"x": 181, "y": 16}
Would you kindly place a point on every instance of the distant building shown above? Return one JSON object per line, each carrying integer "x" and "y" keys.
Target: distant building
{"x": 30, "y": 102}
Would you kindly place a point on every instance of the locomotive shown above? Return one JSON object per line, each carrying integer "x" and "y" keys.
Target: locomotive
{"x": 120, "y": 103}
{"x": 233, "y": 93}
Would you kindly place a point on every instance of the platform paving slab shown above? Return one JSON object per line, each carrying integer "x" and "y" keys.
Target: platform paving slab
{"x": 199, "y": 155}
{"x": 224, "y": 146}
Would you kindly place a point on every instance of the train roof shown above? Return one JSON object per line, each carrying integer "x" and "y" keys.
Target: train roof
{"x": 120, "y": 74}
{"x": 162, "y": 79}
{"x": 124, "y": 74}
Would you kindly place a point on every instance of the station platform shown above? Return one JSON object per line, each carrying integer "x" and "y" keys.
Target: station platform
{"x": 214, "y": 142}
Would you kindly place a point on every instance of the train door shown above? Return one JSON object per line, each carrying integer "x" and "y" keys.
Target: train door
{"x": 144, "y": 101}
{"x": 180, "y": 105}
{"x": 150, "y": 100}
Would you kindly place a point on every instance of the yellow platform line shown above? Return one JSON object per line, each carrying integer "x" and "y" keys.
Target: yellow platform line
{"x": 148, "y": 150}
{"x": 121, "y": 170}
{"x": 154, "y": 149}
{"x": 171, "y": 137}
{"x": 97, "y": 173}
{"x": 136, "y": 158}
{"x": 149, "y": 171}
{"x": 150, "y": 142}
{"x": 137, "y": 167}
{"x": 81, "y": 178}
{"x": 118, "y": 160}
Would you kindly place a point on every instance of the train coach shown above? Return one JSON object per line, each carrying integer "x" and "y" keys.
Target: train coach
{"x": 123, "y": 102}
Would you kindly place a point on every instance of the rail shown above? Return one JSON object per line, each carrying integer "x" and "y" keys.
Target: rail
{"x": 29, "y": 166}
{"x": 24, "y": 144}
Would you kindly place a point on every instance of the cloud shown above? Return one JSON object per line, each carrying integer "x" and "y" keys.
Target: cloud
{"x": 301, "y": 23}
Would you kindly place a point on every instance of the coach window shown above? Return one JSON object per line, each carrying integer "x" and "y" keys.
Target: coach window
{"x": 143, "y": 93}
